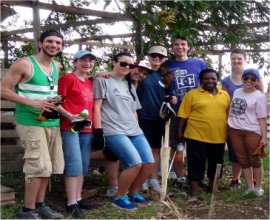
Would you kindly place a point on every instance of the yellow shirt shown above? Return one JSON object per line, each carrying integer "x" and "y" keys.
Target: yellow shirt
{"x": 206, "y": 115}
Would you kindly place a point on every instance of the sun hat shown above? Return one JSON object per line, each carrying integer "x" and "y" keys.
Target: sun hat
{"x": 158, "y": 49}
{"x": 144, "y": 64}
{"x": 254, "y": 72}
{"x": 82, "y": 53}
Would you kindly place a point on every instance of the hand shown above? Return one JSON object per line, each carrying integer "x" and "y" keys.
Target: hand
{"x": 263, "y": 142}
{"x": 43, "y": 105}
{"x": 98, "y": 141}
{"x": 174, "y": 100}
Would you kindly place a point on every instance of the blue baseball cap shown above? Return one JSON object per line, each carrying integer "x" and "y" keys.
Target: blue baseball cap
{"x": 82, "y": 53}
{"x": 254, "y": 72}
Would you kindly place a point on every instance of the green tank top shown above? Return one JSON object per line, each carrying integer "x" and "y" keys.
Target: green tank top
{"x": 38, "y": 87}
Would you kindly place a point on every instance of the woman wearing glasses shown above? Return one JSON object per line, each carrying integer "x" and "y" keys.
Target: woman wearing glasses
{"x": 151, "y": 93}
{"x": 247, "y": 122}
{"x": 115, "y": 108}
{"x": 230, "y": 84}
{"x": 77, "y": 90}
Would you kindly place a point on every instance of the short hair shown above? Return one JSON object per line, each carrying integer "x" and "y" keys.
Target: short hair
{"x": 120, "y": 54}
{"x": 203, "y": 72}
{"x": 238, "y": 50}
{"x": 181, "y": 38}
{"x": 48, "y": 33}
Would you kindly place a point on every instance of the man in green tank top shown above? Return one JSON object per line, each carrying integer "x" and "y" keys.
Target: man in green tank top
{"x": 35, "y": 79}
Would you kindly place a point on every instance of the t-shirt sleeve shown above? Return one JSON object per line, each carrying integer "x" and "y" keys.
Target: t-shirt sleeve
{"x": 185, "y": 107}
{"x": 261, "y": 106}
{"x": 100, "y": 88}
{"x": 63, "y": 84}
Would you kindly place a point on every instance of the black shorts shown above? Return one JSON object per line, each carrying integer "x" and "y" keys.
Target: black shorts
{"x": 153, "y": 131}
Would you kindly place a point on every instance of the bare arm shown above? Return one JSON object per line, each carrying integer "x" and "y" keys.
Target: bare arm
{"x": 97, "y": 113}
{"x": 182, "y": 122}
{"x": 65, "y": 113}
{"x": 263, "y": 126}
{"x": 19, "y": 72}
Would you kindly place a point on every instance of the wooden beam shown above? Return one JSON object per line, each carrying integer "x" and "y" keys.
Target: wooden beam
{"x": 6, "y": 34}
{"x": 71, "y": 10}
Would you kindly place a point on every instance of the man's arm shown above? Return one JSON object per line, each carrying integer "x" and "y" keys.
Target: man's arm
{"x": 18, "y": 72}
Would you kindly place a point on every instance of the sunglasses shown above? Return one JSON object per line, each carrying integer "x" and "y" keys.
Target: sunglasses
{"x": 154, "y": 55}
{"x": 51, "y": 80}
{"x": 125, "y": 64}
{"x": 246, "y": 78}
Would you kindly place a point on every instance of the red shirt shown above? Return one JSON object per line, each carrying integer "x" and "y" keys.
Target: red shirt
{"x": 78, "y": 96}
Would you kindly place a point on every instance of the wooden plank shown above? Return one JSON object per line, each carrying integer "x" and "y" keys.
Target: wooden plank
{"x": 5, "y": 118}
{"x": 7, "y": 195}
{"x": 9, "y": 134}
{"x": 11, "y": 166}
{"x": 7, "y": 105}
{"x": 12, "y": 148}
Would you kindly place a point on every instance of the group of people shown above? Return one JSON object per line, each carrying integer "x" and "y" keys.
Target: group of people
{"x": 119, "y": 115}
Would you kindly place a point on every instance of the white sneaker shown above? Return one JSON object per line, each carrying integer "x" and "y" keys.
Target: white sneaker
{"x": 112, "y": 191}
{"x": 258, "y": 191}
{"x": 154, "y": 184}
{"x": 145, "y": 186}
{"x": 182, "y": 179}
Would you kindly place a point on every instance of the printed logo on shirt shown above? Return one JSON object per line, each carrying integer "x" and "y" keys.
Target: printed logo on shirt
{"x": 238, "y": 106}
{"x": 117, "y": 93}
{"x": 183, "y": 79}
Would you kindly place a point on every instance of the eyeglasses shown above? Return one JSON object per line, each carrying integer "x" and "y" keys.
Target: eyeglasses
{"x": 154, "y": 55}
{"x": 246, "y": 78}
{"x": 51, "y": 80}
{"x": 125, "y": 64}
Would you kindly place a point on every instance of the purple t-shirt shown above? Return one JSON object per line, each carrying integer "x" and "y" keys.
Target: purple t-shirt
{"x": 230, "y": 85}
{"x": 185, "y": 76}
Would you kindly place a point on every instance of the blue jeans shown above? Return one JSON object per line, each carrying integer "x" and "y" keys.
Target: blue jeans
{"x": 76, "y": 148}
{"x": 131, "y": 150}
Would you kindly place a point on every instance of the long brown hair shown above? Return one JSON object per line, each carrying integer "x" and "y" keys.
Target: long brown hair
{"x": 167, "y": 76}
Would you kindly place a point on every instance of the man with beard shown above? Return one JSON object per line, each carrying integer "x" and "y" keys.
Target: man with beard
{"x": 35, "y": 81}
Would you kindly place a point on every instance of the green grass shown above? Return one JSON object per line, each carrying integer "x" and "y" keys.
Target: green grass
{"x": 106, "y": 211}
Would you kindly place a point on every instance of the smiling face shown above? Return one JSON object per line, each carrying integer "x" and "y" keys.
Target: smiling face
{"x": 237, "y": 61}
{"x": 123, "y": 65}
{"x": 51, "y": 46}
{"x": 84, "y": 64}
{"x": 249, "y": 81}
{"x": 138, "y": 73}
{"x": 180, "y": 49}
{"x": 209, "y": 81}
{"x": 156, "y": 60}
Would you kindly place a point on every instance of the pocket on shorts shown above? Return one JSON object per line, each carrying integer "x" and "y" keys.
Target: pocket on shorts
{"x": 32, "y": 159}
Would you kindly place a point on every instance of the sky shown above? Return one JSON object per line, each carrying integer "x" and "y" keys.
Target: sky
{"x": 27, "y": 14}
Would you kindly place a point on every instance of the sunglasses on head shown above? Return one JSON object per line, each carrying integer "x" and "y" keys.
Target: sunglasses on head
{"x": 125, "y": 64}
{"x": 154, "y": 55}
{"x": 246, "y": 78}
{"x": 51, "y": 80}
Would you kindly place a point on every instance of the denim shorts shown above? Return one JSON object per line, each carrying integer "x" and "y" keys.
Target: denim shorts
{"x": 130, "y": 150}
{"x": 76, "y": 148}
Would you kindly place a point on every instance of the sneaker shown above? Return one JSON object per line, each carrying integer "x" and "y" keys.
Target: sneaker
{"x": 249, "y": 191}
{"x": 124, "y": 203}
{"x": 155, "y": 185}
{"x": 46, "y": 212}
{"x": 181, "y": 182}
{"x": 139, "y": 199}
{"x": 28, "y": 215}
{"x": 86, "y": 204}
{"x": 75, "y": 211}
{"x": 235, "y": 184}
{"x": 112, "y": 191}
{"x": 145, "y": 186}
{"x": 258, "y": 191}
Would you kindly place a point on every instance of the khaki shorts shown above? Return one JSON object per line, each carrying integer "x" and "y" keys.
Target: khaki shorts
{"x": 43, "y": 154}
